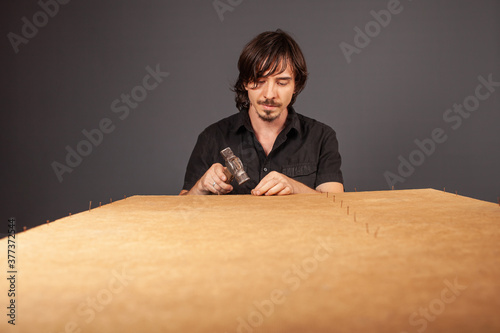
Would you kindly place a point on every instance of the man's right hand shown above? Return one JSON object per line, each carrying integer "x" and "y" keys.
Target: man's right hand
{"x": 213, "y": 181}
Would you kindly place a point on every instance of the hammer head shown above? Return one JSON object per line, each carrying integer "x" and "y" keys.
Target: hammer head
{"x": 234, "y": 166}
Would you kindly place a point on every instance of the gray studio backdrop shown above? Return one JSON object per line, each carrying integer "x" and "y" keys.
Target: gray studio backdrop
{"x": 102, "y": 99}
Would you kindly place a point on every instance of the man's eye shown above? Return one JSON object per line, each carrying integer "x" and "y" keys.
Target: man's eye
{"x": 258, "y": 84}
{"x": 283, "y": 83}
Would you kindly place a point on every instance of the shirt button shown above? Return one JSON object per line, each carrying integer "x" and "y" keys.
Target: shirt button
{"x": 265, "y": 169}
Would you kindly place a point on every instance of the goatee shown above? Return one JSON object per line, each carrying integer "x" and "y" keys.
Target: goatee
{"x": 268, "y": 116}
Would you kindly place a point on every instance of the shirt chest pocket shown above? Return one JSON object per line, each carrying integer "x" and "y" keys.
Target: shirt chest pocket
{"x": 303, "y": 172}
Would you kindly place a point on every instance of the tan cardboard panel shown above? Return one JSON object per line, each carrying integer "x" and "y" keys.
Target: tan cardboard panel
{"x": 388, "y": 261}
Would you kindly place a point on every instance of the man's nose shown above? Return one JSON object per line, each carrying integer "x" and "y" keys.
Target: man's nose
{"x": 270, "y": 90}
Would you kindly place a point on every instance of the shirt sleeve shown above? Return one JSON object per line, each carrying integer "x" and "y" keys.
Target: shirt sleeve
{"x": 200, "y": 161}
{"x": 329, "y": 160}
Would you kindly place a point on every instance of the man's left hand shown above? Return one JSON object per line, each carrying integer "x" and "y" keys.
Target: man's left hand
{"x": 274, "y": 183}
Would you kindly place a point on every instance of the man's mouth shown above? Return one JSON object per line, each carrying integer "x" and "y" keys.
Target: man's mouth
{"x": 269, "y": 104}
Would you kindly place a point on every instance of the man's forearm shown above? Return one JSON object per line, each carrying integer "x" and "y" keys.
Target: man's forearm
{"x": 331, "y": 187}
{"x": 299, "y": 187}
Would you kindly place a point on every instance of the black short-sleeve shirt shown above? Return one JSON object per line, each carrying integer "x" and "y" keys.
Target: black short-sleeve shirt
{"x": 305, "y": 150}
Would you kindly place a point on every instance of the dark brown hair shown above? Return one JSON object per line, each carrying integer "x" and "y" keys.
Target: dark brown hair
{"x": 269, "y": 53}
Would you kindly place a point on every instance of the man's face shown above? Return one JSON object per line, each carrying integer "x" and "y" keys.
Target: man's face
{"x": 270, "y": 96}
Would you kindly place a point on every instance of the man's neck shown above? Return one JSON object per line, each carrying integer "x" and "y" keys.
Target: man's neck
{"x": 266, "y": 132}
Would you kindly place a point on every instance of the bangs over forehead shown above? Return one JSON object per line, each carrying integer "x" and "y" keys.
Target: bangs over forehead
{"x": 268, "y": 54}
{"x": 271, "y": 66}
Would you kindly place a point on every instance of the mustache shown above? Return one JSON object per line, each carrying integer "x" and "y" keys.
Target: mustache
{"x": 269, "y": 102}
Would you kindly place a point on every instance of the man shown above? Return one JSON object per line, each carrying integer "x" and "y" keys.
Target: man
{"x": 282, "y": 151}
